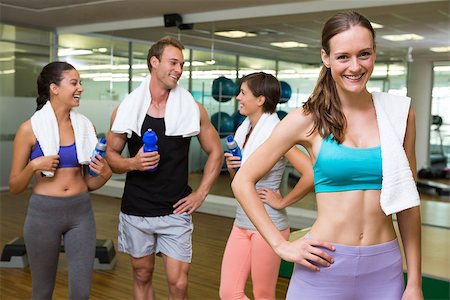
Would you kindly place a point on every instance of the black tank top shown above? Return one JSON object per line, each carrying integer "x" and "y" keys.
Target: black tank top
{"x": 152, "y": 194}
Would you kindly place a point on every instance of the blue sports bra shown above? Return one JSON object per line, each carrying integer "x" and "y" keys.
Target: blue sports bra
{"x": 341, "y": 168}
{"x": 67, "y": 155}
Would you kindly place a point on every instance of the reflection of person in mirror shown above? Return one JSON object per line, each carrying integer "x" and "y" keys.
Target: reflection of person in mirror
{"x": 156, "y": 206}
{"x": 246, "y": 251}
{"x": 362, "y": 147}
{"x": 55, "y": 146}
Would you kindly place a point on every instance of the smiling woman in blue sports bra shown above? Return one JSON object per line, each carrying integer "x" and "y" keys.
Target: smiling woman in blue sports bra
{"x": 351, "y": 251}
{"x": 59, "y": 206}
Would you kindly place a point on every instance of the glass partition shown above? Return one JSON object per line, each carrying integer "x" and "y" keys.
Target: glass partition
{"x": 299, "y": 80}
{"x": 249, "y": 65}
{"x": 139, "y": 63}
{"x": 214, "y": 86}
{"x": 388, "y": 77}
{"x": 102, "y": 63}
{"x": 440, "y": 119}
{"x": 23, "y": 53}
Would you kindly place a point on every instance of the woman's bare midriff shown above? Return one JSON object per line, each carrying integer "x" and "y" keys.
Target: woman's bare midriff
{"x": 66, "y": 182}
{"x": 352, "y": 218}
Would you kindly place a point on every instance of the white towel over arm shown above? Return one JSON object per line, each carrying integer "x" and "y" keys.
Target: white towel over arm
{"x": 398, "y": 189}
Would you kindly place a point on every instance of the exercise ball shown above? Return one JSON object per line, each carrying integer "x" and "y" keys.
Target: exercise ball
{"x": 223, "y": 89}
{"x": 281, "y": 114}
{"x": 223, "y": 123}
{"x": 286, "y": 92}
{"x": 237, "y": 119}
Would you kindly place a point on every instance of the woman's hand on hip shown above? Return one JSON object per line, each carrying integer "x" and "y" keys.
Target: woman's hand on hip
{"x": 307, "y": 253}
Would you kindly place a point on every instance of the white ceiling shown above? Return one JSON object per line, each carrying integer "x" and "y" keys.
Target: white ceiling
{"x": 272, "y": 21}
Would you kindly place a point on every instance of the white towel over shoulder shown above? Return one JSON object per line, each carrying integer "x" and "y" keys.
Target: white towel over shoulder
{"x": 182, "y": 115}
{"x": 260, "y": 133}
{"x": 398, "y": 189}
{"x": 46, "y": 130}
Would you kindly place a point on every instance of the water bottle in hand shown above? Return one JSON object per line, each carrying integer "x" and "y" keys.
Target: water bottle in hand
{"x": 149, "y": 139}
{"x": 100, "y": 148}
{"x": 233, "y": 148}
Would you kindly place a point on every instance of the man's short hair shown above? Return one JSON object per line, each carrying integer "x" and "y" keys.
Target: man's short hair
{"x": 157, "y": 48}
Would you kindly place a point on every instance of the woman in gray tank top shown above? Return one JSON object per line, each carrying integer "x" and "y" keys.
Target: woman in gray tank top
{"x": 246, "y": 251}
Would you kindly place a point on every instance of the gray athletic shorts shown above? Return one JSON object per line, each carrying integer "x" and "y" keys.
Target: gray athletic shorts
{"x": 170, "y": 235}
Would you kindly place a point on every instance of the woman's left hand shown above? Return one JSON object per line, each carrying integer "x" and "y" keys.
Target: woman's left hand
{"x": 274, "y": 199}
{"x": 100, "y": 166}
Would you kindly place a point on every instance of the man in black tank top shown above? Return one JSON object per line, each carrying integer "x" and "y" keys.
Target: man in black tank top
{"x": 156, "y": 208}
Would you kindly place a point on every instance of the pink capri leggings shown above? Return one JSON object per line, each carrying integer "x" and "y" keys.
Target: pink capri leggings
{"x": 247, "y": 252}
{"x": 358, "y": 272}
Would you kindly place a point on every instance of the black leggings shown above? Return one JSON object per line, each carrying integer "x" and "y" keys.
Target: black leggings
{"x": 48, "y": 219}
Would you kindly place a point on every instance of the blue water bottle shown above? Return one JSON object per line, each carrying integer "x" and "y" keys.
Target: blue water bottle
{"x": 233, "y": 148}
{"x": 149, "y": 139}
{"x": 100, "y": 148}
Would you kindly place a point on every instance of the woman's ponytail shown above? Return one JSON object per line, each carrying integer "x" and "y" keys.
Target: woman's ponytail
{"x": 51, "y": 73}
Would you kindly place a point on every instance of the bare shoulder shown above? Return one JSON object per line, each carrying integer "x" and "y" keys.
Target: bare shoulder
{"x": 203, "y": 113}
{"x": 201, "y": 107}
{"x": 26, "y": 128}
{"x": 25, "y": 133}
{"x": 299, "y": 122}
{"x": 113, "y": 115}
{"x": 299, "y": 116}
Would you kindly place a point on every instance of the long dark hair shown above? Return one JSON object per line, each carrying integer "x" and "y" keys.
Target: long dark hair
{"x": 51, "y": 73}
{"x": 263, "y": 84}
{"x": 324, "y": 103}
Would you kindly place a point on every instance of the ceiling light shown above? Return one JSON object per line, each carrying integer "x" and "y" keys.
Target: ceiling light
{"x": 376, "y": 25}
{"x": 403, "y": 37}
{"x": 234, "y": 34}
{"x": 210, "y": 62}
{"x": 289, "y": 44}
{"x": 102, "y": 50}
{"x": 441, "y": 68}
{"x": 440, "y": 49}
{"x": 71, "y": 52}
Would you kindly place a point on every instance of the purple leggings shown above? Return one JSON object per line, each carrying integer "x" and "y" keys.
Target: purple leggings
{"x": 358, "y": 272}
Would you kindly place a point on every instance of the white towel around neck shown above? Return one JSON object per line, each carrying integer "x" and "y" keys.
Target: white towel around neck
{"x": 45, "y": 128}
{"x": 398, "y": 189}
{"x": 182, "y": 116}
{"x": 259, "y": 135}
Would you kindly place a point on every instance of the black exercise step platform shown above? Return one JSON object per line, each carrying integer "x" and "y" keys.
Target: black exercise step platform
{"x": 442, "y": 189}
{"x": 105, "y": 255}
{"x": 14, "y": 254}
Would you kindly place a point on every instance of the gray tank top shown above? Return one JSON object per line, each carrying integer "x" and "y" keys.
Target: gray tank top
{"x": 271, "y": 181}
